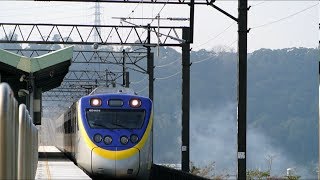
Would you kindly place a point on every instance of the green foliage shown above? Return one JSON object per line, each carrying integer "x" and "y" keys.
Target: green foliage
{"x": 193, "y": 169}
{"x": 207, "y": 171}
{"x": 293, "y": 177}
{"x": 257, "y": 174}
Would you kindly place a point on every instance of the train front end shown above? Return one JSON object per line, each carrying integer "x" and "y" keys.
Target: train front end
{"x": 116, "y": 132}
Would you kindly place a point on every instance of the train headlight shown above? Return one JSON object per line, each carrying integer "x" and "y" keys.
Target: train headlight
{"x": 95, "y": 102}
{"x": 135, "y": 103}
{"x": 97, "y": 138}
{"x": 124, "y": 140}
{"x": 107, "y": 140}
{"x": 134, "y": 138}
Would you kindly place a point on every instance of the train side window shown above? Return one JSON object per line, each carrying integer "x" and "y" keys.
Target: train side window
{"x": 67, "y": 126}
{"x": 77, "y": 124}
{"x": 76, "y": 120}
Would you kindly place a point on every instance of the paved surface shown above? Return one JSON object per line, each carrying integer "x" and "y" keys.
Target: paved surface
{"x": 53, "y": 165}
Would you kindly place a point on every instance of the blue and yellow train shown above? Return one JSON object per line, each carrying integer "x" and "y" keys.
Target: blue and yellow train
{"x": 108, "y": 133}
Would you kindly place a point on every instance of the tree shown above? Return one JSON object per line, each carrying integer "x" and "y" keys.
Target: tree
{"x": 207, "y": 171}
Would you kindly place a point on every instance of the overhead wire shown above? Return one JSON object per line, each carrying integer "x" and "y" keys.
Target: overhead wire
{"x": 196, "y": 62}
{"x": 286, "y": 17}
{"x": 137, "y": 82}
{"x": 142, "y": 89}
{"x": 163, "y": 78}
{"x": 224, "y": 30}
{"x": 216, "y": 36}
{"x": 128, "y": 17}
{"x": 167, "y": 77}
{"x": 229, "y": 45}
{"x": 164, "y": 5}
{"x": 141, "y": 1}
{"x": 208, "y": 58}
{"x": 258, "y": 4}
{"x": 165, "y": 65}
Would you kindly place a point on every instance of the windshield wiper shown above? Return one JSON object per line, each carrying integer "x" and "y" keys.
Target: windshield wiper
{"x": 122, "y": 126}
{"x": 100, "y": 125}
{"x": 106, "y": 127}
{"x": 119, "y": 125}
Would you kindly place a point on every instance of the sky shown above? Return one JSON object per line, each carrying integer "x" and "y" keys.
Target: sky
{"x": 285, "y": 24}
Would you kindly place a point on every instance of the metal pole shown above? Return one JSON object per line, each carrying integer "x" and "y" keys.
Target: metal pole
{"x": 191, "y": 25}
{"x": 185, "y": 101}
{"x": 31, "y": 94}
{"x": 319, "y": 125}
{"x": 242, "y": 88}
{"x": 124, "y": 68}
{"x": 107, "y": 78}
{"x": 158, "y": 36}
{"x": 127, "y": 80}
{"x": 150, "y": 66}
{"x": 37, "y": 106}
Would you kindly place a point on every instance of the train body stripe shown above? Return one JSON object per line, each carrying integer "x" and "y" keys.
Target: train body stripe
{"x": 123, "y": 154}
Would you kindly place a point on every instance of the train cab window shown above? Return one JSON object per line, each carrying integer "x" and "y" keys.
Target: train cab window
{"x": 115, "y": 119}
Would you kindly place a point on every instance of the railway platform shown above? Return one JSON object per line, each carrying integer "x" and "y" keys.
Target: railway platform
{"x": 53, "y": 164}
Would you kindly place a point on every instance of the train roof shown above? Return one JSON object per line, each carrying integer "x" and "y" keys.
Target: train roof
{"x": 112, "y": 90}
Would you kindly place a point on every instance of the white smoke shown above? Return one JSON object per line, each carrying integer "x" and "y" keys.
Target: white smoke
{"x": 263, "y": 155}
{"x": 214, "y": 139}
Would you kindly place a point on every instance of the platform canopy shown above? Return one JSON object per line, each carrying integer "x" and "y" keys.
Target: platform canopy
{"x": 47, "y": 70}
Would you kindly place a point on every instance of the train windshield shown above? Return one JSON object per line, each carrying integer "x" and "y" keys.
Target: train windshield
{"x": 115, "y": 119}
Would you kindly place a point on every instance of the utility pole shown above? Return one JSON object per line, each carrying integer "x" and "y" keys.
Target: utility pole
{"x": 150, "y": 66}
{"x": 242, "y": 88}
{"x": 107, "y": 78}
{"x": 185, "y": 148}
{"x": 191, "y": 25}
{"x": 319, "y": 120}
{"x": 127, "y": 80}
{"x": 123, "y": 68}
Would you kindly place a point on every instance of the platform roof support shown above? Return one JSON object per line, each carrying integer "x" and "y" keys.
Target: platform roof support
{"x": 29, "y": 77}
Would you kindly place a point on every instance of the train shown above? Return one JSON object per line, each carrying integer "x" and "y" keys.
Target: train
{"x": 108, "y": 133}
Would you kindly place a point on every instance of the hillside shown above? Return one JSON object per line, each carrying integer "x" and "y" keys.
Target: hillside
{"x": 282, "y": 112}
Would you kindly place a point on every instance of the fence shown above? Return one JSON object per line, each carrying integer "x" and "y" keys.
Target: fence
{"x": 161, "y": 172}
{"x": 18, "y": 138}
